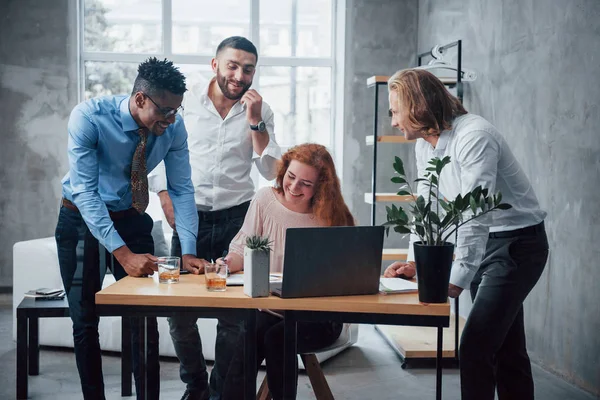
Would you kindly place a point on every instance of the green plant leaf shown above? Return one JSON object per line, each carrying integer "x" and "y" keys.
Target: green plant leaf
{"x": 399, "y": 166}
{"x": 439, "y": 166}
{"x": 473, "y": 204}
{"x": 427, "y": 208}
{"x": 476, "y": 193}
{"x": 401, "y": 229}
{"x": 466, "y": 201}
{"x": 404, "y": 193}
{"x": 398, "y": 179}
{"x": 433, "y": 217}
{"x": 402, "y": 216}
{"x": 420, "y": 230}
{"x": 432, "y": 169}
{"x": 504, "y": 206}
{"x": 458, "y": 202}
{"x": 433, "y": 180}
{"x": 257, "y": 242}
{"x": 444, "y": 205}
{"x": 420, "y": 203}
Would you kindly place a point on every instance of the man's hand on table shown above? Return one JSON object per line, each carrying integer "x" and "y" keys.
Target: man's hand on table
{"x": 193, "y": 264}
{"x": 399, "y": 269}
{"x": 136, "y": 264}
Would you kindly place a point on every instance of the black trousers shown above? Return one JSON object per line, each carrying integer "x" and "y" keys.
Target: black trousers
{"x": 216, "y": 229}
{"x": 493, "y": 351}
{"x": 312, "y": 336}
{"x": 82, "y": 276}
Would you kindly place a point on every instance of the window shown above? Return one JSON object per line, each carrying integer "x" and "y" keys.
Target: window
{"x": 293, "y": 37}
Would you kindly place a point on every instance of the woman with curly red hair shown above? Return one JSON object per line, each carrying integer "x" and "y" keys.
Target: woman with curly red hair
{"x": 307, "y": 194}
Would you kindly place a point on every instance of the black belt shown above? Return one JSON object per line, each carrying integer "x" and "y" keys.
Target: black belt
{"x": 527, "y": 231}
{"x": 228, "y": 213}
{"x": 114, "y": 215}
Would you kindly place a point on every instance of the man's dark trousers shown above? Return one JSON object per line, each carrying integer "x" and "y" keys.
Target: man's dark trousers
{"x": 216, "y": 229}
{"x": 493, "y": 353}
{"x": 82, "y": 275}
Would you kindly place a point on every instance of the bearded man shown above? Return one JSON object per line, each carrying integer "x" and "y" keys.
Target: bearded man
{"x": 229, "y": 128}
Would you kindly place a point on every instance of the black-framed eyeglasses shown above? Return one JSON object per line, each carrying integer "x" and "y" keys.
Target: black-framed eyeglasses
{"x": 167, "y": 112}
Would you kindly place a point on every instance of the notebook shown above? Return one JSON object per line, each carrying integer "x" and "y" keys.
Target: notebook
{"x": 396, "y": 285}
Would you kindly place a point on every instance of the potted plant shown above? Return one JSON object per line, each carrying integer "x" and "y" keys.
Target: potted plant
{"x": 256, "y": 266}
{"x": 434, "y": 220}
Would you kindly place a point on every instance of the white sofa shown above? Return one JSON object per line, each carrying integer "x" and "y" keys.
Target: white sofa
{"x": 35, "y": 264}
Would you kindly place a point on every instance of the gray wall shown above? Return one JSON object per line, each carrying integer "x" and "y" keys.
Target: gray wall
{"x": 538, "y": 71}
{"x": 38, "y": 88}
{"x": 373, "y": 29}
{"x": 538, "y": 83}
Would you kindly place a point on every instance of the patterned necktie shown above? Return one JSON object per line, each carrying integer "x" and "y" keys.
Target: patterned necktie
{"x": 139, "y": 174}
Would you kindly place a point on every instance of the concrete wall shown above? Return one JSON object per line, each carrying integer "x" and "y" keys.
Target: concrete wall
{"x": 381, "y": 37}
{"x": 538, "y": 65}
{"x": 38, "y": 88}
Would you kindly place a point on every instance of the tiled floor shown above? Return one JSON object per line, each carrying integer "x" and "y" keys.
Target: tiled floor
{"x": 368, "y": 370}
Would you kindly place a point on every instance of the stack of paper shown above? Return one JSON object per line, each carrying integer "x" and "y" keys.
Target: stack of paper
{"x": 238, "y": 279}
{"x": 396, "y": 285}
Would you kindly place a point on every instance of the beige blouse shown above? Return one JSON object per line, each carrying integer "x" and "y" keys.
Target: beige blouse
{"x": 268, "y": 217}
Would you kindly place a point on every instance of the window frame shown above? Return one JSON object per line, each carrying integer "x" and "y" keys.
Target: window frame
{"x": 332, "y": 62}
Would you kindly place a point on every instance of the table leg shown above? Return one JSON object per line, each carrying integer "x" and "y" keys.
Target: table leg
{"x": 250, "y": 356}
{"x": 289, "y": 356}
{"x": 143, "y": 366}
{"x": 438, "y": 363}
{"x": 34, "y": 346}
{"x": 125, "y": 356}
{"x": 21, "y": 356}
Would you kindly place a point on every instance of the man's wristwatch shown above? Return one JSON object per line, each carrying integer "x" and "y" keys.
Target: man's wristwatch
{"x": 261, "y": 126}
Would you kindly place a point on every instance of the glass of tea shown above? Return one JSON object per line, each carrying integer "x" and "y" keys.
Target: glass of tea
{"x": 168, "y": 269}
{"x": 216, "y": 277}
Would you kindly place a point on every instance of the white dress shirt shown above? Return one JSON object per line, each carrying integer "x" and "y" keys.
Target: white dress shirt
{"x": 479, "y": 155}
{"x": 221, "y": 152}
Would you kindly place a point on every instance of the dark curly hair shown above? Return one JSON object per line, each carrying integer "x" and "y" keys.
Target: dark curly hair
{"x": 238, "y": 43}
{"x": 155, "y": 76}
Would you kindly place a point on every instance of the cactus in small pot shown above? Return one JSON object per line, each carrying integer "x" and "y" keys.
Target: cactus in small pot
{"x": 256, "y": 266}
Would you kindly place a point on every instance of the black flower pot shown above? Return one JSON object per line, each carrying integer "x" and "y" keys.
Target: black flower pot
{"x": 433, "y": 271}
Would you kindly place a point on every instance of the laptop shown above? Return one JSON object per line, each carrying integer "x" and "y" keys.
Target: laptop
{"x": 331, "y": 261}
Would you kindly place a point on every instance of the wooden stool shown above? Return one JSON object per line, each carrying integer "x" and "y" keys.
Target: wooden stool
{"x": 315, "y": 374}
{"x": 313, "y": 369}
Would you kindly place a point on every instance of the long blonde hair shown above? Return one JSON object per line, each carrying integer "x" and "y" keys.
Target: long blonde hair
{"x": 431, "y": 108}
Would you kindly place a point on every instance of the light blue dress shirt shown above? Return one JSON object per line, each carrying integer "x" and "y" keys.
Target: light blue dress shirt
{"x": 102, "y": 139}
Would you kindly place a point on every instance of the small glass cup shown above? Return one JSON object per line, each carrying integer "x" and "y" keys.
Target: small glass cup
{"x": 216, "y": 277}
{"x": 168, "y": 269}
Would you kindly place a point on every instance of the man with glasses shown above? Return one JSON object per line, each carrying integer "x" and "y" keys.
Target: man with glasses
{"x": 113, "y": 142}
{"x": 230, "y": 128}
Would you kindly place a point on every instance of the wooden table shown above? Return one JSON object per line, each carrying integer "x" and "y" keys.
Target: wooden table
{"x": 144, "y": 297}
